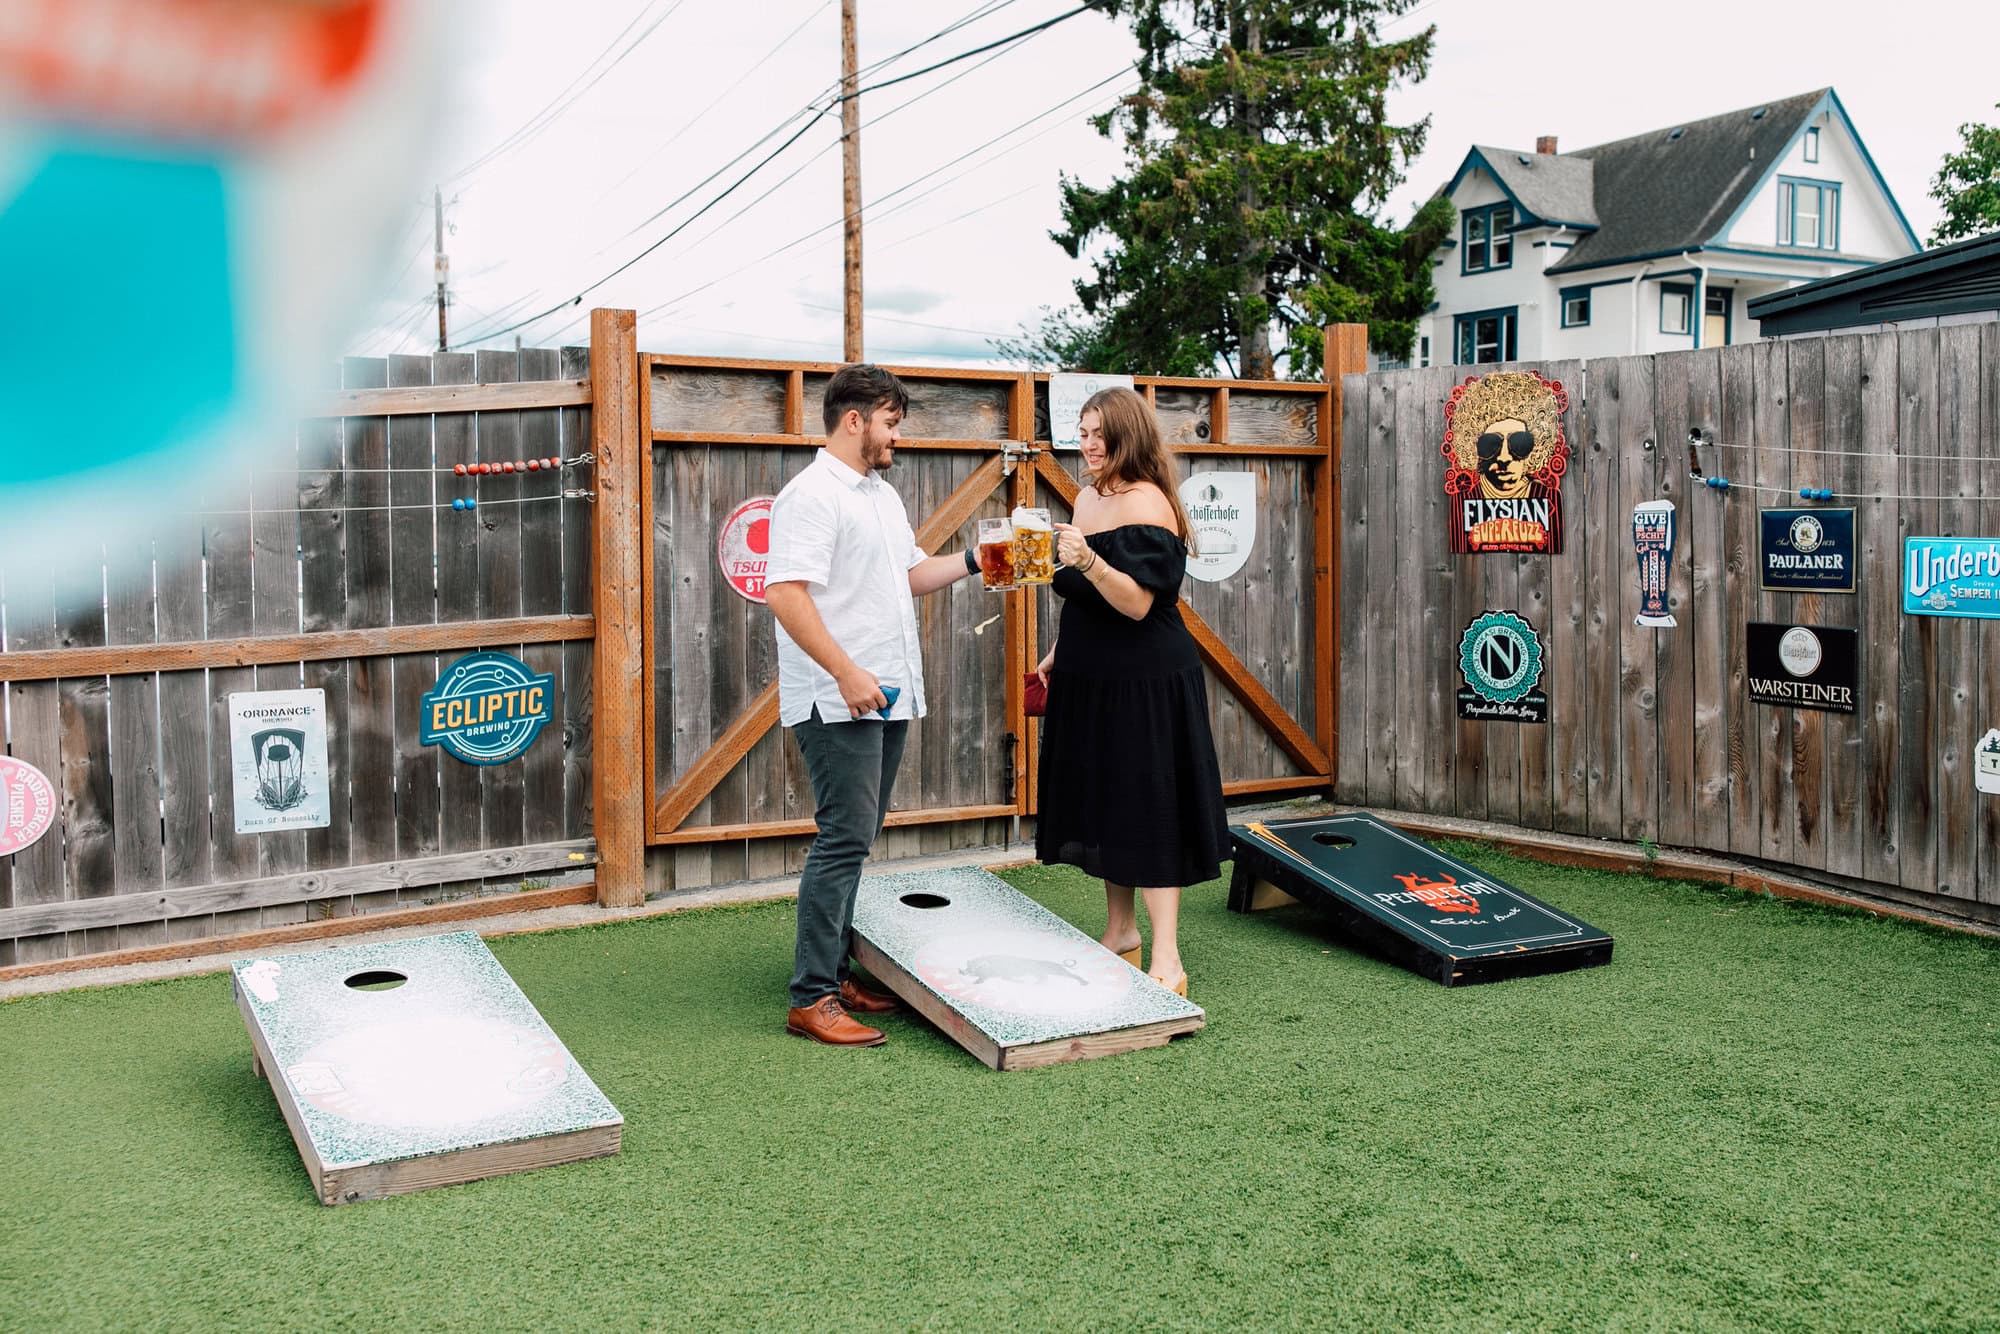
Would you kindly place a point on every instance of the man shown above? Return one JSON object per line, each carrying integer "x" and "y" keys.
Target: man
{"x": 844, "y": 568}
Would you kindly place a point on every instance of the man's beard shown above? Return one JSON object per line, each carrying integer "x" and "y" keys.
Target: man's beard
{"x": 878, "y": 458}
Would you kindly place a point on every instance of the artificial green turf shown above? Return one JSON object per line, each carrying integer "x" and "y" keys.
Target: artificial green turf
{"x": 1759, "y": 1115}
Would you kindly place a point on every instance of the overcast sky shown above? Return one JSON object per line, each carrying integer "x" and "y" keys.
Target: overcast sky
{"x": 957, "y": 252}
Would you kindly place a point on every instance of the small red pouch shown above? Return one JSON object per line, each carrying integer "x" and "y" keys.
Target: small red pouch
{"x": 1035, "y": 695}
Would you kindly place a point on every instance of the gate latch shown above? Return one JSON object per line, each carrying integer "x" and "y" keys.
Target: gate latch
{"x": 1013, "y": 452}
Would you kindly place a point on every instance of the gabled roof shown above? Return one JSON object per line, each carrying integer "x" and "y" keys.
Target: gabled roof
{"x": 1546, "y": 189}
{"x": 1951, "y": 280}
{"x": 1676, "y": 188}
{"x": 1668, "y": 190}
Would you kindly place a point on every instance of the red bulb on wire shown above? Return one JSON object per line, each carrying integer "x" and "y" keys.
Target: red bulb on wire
{"x": 534, "y": 465}
{"x": 460, "y": 470}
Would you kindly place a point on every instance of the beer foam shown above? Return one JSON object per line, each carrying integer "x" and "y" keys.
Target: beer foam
{"x": 1031, "y": 520}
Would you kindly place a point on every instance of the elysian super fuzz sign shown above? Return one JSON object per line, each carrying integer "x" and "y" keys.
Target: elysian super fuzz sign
{"x": 1505, "y": 457}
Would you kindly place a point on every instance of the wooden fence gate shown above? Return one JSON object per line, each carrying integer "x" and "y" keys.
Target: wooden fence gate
{"x": 729, "y": 795}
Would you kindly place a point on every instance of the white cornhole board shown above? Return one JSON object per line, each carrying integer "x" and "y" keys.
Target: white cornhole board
{"x": 450, "y": 1077}
{"x": 1004, "y": 977}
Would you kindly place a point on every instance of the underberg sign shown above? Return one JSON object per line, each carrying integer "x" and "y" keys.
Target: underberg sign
{"x": 1951, "y": 576}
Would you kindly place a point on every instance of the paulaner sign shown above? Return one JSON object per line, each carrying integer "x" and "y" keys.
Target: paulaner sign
{"x": 1806, "y": 550}
{"x": 1951, "y": 576}
{"x": 1803, "y": 666}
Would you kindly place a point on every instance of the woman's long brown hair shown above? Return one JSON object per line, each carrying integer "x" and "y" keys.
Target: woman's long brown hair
{"x": 1134, "y": 452}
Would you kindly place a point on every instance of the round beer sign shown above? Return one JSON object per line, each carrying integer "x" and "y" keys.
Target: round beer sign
{"x": 27, "y": 805}
{"x": 744, "y": 548}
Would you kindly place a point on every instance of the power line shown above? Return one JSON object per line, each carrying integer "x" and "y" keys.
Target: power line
{"x": 769, "y": 157}
{"x": 564, "y": 100}
{"x": 907, "y": 185}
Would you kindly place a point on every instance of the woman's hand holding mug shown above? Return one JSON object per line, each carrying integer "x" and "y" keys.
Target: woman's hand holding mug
{"x": 1071, "y": 549}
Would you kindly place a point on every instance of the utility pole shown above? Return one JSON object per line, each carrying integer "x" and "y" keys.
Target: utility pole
{"x": 850, "y": 184}
{"x": 440, "y": 264}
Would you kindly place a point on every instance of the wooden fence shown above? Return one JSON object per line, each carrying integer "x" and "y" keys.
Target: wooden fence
{"x": 1651, "y": 734}
{"x": 729, "y": 795}
{"x": 335, "y": 564}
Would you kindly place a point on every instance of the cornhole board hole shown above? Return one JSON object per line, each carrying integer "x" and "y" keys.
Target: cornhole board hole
{"x": 1407, "y": 902}
{"x": 445, "y": 1076}
{"x": 1004, "y": 977}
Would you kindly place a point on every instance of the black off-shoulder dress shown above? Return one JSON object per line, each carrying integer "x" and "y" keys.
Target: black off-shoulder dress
{"x": 1130, "y": 788}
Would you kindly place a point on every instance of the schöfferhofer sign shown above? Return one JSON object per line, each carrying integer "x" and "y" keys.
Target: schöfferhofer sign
{"x": 1951, "y": 576}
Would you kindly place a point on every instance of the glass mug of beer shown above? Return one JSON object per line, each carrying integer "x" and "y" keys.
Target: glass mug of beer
{"x": 996, "y": 554}
{"x": 1034, "y": 546}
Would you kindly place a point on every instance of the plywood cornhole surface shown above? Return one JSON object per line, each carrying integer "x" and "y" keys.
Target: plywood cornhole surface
{"x": 449, "y": 1076}
{"x": 1406, "y": 901}
{"x": 1004, "y": 977}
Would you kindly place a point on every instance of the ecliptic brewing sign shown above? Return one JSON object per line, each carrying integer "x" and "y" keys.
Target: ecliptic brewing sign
{"x": 743, "y": 548}
{"x": 277, "y": 754}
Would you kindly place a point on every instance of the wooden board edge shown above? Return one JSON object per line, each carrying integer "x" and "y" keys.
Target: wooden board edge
{"x": 925, "y": 1002}
{"x": 1090, "y": 1046}
{"x": 457, "y": 1167}
{"x": 294, "y": 1118}
{"x": 488, "y": 905}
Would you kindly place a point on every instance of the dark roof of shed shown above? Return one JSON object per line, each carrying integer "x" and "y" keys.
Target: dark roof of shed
{"x": 1949, "y": 280}
{"x": 1659, "y": 192}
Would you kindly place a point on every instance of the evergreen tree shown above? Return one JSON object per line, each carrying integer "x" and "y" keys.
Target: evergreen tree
{"x": 1259, "y": 154}
{"x": 1968, "y": 185}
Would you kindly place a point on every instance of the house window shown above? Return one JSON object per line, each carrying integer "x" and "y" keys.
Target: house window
{"x": 1424, "y": 350}
{"x": 1485, "y": 336}
{"x": 1676, "y": 308}
{"x": 1488, "y": 238}
{"x": 1809, "y": 214}
{"x": 1576, "y": 307}
{"x": 1812, "y": 145}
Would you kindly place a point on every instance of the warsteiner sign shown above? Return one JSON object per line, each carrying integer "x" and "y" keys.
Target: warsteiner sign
{"x": 1505, "y": 457}
{"x": 1803, "y": 666}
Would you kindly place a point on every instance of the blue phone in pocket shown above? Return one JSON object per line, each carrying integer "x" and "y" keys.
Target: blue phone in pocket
{"x": 889, "y": 693}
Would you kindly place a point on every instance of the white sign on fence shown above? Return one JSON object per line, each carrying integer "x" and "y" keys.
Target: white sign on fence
{"x": 1222, "y": 506}
{"x": 277, "y": 750}
{"x": 1067, "y": 395}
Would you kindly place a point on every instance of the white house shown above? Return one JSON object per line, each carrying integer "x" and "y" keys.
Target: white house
{"x": 1654, "y": 243}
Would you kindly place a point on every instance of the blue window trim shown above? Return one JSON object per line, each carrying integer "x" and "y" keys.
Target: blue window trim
{"x": 1829, "y": 237}
{"x": 1485, "y": 211}
{"x": 1511, "y": 344}
{"x": 1829, "y": 105}
{"x": 1567, "y": 295}
{"x": 1680, "y": 289}
{"x": 1810, "y": 150}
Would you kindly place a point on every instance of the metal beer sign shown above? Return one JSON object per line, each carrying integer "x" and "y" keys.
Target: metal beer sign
{"x": 1951, "y": 576}
{"x": 1803, "y": 666}
{"x": 1653, "y": 539}
{"x": 1505, "y": 457}
{"x": 1806, "y": 550}
{"x": 487, "y": 708}
{"x": 1500, "y": 657}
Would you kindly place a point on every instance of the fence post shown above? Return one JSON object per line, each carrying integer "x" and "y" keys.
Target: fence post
{"x": 619, "y": 678}
{"x": 1344, "y": 352}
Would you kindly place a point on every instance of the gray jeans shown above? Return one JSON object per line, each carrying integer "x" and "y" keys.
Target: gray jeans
{"x": 853, "y": 770}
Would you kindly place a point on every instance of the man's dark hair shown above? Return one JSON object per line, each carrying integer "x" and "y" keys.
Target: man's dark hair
{"x": 867, "y": 389}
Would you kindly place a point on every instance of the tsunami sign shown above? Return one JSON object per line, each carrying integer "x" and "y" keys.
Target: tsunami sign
{"x": 487, "y": 708}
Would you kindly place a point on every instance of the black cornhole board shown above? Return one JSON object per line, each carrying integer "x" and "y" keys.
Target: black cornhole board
{"x": 1426, "y": 923}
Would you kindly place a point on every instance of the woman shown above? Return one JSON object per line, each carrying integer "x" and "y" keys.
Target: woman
{"x": 1130, "y": 789}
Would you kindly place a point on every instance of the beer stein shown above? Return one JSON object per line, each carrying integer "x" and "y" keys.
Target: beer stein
{"x": 1034, "y": 546}
{"x": 995, "y": 552}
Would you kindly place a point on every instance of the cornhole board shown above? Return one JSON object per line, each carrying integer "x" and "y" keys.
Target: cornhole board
{"x": 450, "y": 1076}
{"x": 1004, "y": 977}
{"x": 1404, "y": 900}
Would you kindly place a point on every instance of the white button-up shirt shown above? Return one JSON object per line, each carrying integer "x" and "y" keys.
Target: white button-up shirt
{"x": 847, "y": 537}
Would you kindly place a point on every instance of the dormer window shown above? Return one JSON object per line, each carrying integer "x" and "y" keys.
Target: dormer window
{"x": 1488, "y": 238}
{"x": 1811, "y": 146}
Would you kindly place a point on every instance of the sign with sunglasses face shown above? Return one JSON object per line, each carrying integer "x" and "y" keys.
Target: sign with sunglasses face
{"x": 1505, "y": 457}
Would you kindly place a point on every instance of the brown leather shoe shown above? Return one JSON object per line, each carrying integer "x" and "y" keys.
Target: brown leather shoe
{"x": 824, "y": 1021}
{"x": 863, "y": 1001}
